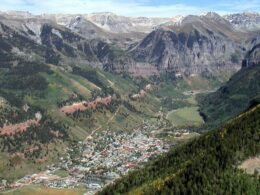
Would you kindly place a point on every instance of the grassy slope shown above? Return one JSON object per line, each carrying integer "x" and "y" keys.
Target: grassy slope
{"x": 187, "y": 116}
{"x": 62, "y": 84}
{"x": 203, "y": 166}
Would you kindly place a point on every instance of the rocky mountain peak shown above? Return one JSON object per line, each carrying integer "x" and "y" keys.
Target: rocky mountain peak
{"x": 244, "y": 21}
{"x": 212, "y": 15}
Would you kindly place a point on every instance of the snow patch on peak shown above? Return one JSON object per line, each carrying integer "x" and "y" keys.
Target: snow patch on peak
{"x": 56, "y": 32}
{"x": 35, "y": 27}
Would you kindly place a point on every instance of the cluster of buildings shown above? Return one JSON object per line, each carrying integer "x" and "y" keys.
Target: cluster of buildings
{"x": 121, "y": 152}
{"x": 115, "y": 153}
{"x": 100, "y": 160}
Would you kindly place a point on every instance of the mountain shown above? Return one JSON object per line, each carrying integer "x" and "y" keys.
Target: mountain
{"x": 234, "y": 96}
{"x": 43, "y": 38}
{"x": 108, "y": 22}
{"x": 193, "y": 45}
{"x": 52, "y": 43}
{"x": 79, "y": 24}
{"x": 244, "y": 21}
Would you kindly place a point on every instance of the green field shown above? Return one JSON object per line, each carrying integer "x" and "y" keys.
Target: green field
{"x": 187, "y": 116}
{"x": 37, "y": 190}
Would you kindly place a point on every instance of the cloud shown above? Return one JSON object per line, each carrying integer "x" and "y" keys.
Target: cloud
{"x": 127, "y": 8}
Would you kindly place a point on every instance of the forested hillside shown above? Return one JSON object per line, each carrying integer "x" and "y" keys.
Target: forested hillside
{"x": 233, "y": 97}
{"x": 206, "y": 165}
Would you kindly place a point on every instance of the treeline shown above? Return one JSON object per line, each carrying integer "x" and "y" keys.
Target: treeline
{"x": 130, "y": 107}
{"x": 25, "y": 76}
{"x": 23, "y": 79}
{"x": 17, "y": 82}
{"x": 76, "y": 97}
{"x": 91, "y": 75}
{"x": 206, "y": 165}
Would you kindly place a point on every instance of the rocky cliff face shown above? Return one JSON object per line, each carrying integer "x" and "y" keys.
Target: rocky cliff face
{"x": 193, "y": 45}
{"x": 252, "y": 57}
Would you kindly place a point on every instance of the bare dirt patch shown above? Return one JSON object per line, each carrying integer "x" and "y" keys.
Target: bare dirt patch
{"x": 84, "y": 105}
{"x": 17, "y": 128}
{"x": 250, "y": 165}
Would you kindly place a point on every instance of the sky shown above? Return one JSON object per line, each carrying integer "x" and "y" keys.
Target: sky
{"x": 148, "y": 8}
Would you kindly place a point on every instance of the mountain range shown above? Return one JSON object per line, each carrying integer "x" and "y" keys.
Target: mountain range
{"x": 186, "y": 45}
